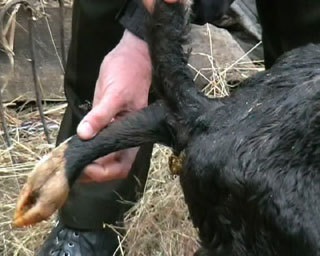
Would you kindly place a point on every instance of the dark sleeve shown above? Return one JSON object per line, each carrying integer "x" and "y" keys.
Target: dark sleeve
{"x": 133, "y": 17}
{"x": 209, "y": 11}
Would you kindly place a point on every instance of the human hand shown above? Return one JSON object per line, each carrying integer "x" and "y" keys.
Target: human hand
{"x": 150, "y": 3}
{"x": 122, "y": 86}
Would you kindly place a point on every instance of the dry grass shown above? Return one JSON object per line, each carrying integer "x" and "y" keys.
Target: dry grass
{"x": 28, "y": 146}
{"x": 159, "y": 224}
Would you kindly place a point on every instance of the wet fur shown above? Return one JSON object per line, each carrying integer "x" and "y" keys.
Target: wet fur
{"x": 251, "y": 175}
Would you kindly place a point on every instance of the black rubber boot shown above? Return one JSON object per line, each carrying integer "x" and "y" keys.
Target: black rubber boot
{"x": 64, "y": 241}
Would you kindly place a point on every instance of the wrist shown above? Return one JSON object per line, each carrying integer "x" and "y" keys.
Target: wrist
{"x": 132, "y": 57}
{"x": 134, "y": 43}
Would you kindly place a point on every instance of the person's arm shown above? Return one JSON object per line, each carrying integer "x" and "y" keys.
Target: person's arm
{"x": 122, "y": 86}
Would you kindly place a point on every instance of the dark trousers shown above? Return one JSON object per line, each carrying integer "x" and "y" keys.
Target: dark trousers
{"x": 95, "y": 32}
{"x": 286, "y": 25}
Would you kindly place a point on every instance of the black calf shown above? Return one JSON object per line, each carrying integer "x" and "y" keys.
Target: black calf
{"x": 251, "y": 175}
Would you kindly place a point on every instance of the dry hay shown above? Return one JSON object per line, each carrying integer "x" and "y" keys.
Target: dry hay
{"x": 159, "y": 224}
{"x": 28, "y": 146}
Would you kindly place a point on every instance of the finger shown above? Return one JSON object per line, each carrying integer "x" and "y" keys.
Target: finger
{"x": 98, "y": 118}
{"x": 113, "y": 171}
{"x": 92, "y": 173}
{"x": 96, "y": 171}
{"x": 149, "y": 4}
{"x": 117, "y": 166}
{"x": 92, "y": 168}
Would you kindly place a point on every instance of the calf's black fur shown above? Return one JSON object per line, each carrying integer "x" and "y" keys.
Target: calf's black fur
{"x": 251, "y": 176}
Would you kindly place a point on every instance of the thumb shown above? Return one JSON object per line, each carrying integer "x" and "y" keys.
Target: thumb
{"x": 97, "y": 119}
